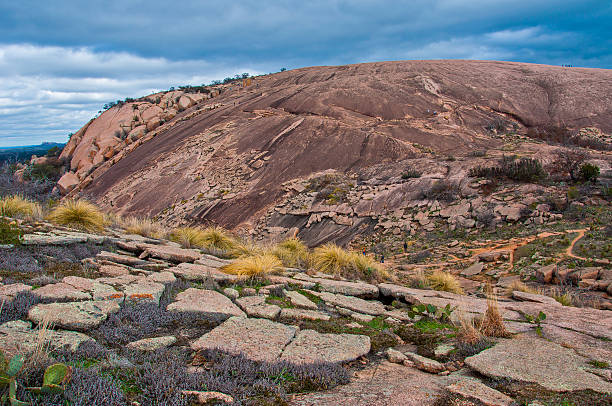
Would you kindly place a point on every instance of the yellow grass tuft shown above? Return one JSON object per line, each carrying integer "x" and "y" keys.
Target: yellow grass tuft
{"x": 366, "y": 268}
{"x": 188, "y": 237}
{"x": 247, "y": 249}
{"x": 217, "y": 238}
{"x": 144, "y": 227}
{"x": 292, "y": 252}
{"x": 444, "y": 281}
{"x": 79, "y": 214}
{"x": 330, "y": 258}
{"x": 19, "y": 207}
{"x": 520, "y": 287}
{"x": 492, "y": 324}
{"x": 256, "y": 265}
{"x": 467, "y": 332}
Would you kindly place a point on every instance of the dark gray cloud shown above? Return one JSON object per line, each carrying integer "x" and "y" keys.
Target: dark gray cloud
{"x": 61, "y": 60}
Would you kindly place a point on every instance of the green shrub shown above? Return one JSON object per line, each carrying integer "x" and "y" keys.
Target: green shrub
{"x": 10, "y": 233}
{"x": 410, "y": 174}
{"x": 573, "y": 193}
{"x": 522, "y": 170}
{"x": 42, "y": 172}
{"x": 442, "y": 190}
{"x": 589, "y": 172}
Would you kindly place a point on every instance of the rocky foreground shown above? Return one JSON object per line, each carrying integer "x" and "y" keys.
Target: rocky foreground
{"x": 395, "y": 354}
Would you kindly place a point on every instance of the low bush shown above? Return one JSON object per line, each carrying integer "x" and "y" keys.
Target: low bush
{"x": 444, "y": 281}
{"x": 10, "y": 233}
{"x": 442, "y": 190}
{"x": 589, "y": 172}
{"x": 79, "y": 214}
{"x": 256, "y": 265}
{"x": 42, "y": 172}
{"x": 567, "y": 162}
{"x": 411, "y": 174}
{"x": 17, "y": 309}
{"x": 521, "y": 170}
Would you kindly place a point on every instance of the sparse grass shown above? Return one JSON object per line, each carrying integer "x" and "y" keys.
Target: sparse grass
{"x": 418, "y": 280}
{"x": 565, "y": 298}
{"x": 256, "y": 265}
{"x": 521, "y": 287}
{"x": 598, "y": 364}
{"x": 467, "y": 332}
{"x": 17, "y": 206}
{"x": 292, "y": 252}
{"x": 492, "y": 324}
{"x": 444, "y": 281}
{"x": 78, "y": 214}
{"x": 366, "y": 268}
{"x": 144, "y": 227}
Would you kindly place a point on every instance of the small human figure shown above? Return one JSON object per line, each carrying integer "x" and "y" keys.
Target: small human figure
{"x": 382, "y": 258}
{"x": 405, "y": 246}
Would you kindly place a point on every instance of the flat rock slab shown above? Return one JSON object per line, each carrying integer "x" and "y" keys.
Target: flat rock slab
{"x": 201, "y": 273}
{"x": 380, "y": 384}
{"x": 207, "y": 303}
{"x": 303, "y": 314}
{"x": 359, "y": 289}
{"x": 19, "y": 337}
{"x": 81, "y": 316}
{"x": 473, "y": 269}
{"x": 212, "y": 261}
{"x": 256, "y": 306}
{"x": 8, "y": 292}
{"x": 113, "y": 270}
{"x": 257, "y": 339}
{"x": 170, "y": 253}
{"x": 472, "y": 389}
{"x": 535, "y": 360}
{"x": 299, "y": 300}
{"x": 312, "y": 347}
{"x": 152, "y": 344}
{"x": 290, "y": 281}
{"x": 532, "y": 297}
{"x": 120, "y": 259}
{"x": 424, "y": 363}
{"x": 144, "y": 290}
{"x": 61, "y": 292}
{"x": 356, "y": 304}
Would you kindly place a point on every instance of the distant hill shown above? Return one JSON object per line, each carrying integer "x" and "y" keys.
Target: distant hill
{"x": 24, "y": 153}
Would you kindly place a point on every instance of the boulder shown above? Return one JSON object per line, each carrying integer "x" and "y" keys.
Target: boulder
{"x": 424, "y": 363}
{"x": 207, "y": 303}
{"x": 545, "y": 273}
{"x": 395, "y": 356}
{"x": 67, "y": 182}
{"x": 472, "y": 389}
{"x": 201, "y": 273}
{"x": 473, "y": 269}
{"x": 310, "y": 346}
{"x": 256, "y": 339}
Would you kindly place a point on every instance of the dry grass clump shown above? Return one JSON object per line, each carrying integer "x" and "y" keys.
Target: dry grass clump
{"x": 418, "y": 280}
{"x": 256, "y": 265}
{"x": 188, "y": 237}
{"x": 292, "y": 252}
{"x": 247, "y": 248}
{"x": 444, "y": 281}
{"x": 337, "y": 261}
{"x": 566, "y": 299}
{"x": 78, "y": 214}
{"x": 144, "y": 227}
{"x": 467, "y": 332}
{"x": 492, "y": 324}
{"x": 17, "y": 206}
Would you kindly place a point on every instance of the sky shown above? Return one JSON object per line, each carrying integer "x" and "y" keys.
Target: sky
{"x": 62, "y": 60}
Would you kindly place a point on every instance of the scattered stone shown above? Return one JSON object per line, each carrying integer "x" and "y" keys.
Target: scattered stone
{"x": 204, "y": 398}
{"x": 81, "y": 316}
{"x": 231, "y": 293}
{"x": 100, "y": 291}
{"x": 256, "y": 339}
{"x": 119, "y": 259}
{"x": 79, "y": 283}
{"x": 473, "y": 269}
{"x": 165, "y": 278}
{"x": 311, "y": 347}
{"x": 530, "y": 359}
{"x": 152, "y": 344}
{"x": 545, "y": 274}
{"x": 425, "y": 364}
{"x": 201, "y": 273}
{"x": 353, "y": 303}
{"x": 475, "y": 390}
{"x": 363, "y": 318}
{"x": 442, "y": 350}
{"x": 256, "y": 306}
{"x": 208, "y": 303}
{"x": 303, "y": 314}
{"x": 8, "y": 292}
{"x": 212, "y": 261}
{"x": 61, "y": 292}
{"x": 18, "y": 336}
{"x": 299, "y": 300}
{"x": 395, "y": 356}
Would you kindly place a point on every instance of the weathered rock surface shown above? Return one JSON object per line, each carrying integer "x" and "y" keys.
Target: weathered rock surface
{"x": 8, "y": 292}
{"x": 257, "y": 339}
{"x": 61, "y": 292}
{"x": 172, "y": 254}
{"x": 200, "y": 273}
{"x": 19, "y": 336}
{"x": 532, "y": 297}
{"x": 81, "y": 316}
{"x": 535, "y": 360}
{"x": 358, "y": 289}
{"x": 310, "y": 346}
{"x": 475, "y": 390}
{"x": 303, "y": 314}
{"x": 356, "y": 304}
{"x": 424, "y": 363}
{"x": 299, "y": 300}
{"x": 152, "y": 344}
{"x": 207, "y": 303}
{"x": 256, "y": 306}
